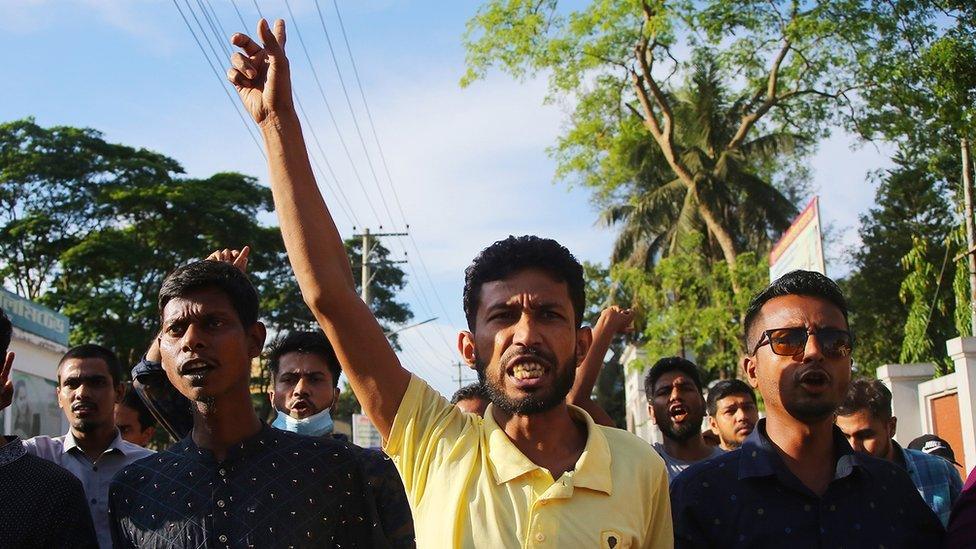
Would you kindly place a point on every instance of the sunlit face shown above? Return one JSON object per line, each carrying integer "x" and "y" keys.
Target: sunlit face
{"x": 87, "y": 394}
{"x": 526, "y": 345}
{"x": 205, "y": 350}
{"x": 735, "y": 418}
{"x": 677, "y": 406}
{"x": 868, "y": 434}
{"x": 808, "y": 386}
{"x": 127, "y": 420}
{"x": 303, "y": 386}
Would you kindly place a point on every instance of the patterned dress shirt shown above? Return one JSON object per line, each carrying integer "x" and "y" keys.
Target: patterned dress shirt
{"x": 936, "y": 479}
{"x": 275, "y": 489}
{"x": 95, "y": 476}
{"x": 41, "y": 504}
{"x": 388, "y": 493}
{"x": 749, "y": 498}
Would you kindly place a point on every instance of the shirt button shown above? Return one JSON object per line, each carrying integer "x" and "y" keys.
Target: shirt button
{"x": 222, "y": 472}
{"x": 93, "y": 501}
{"x": 540, "y": 537}
{"x": 220, "y": 503}
{"x": 222, "y": 538}
{"x": 95, "y": 468}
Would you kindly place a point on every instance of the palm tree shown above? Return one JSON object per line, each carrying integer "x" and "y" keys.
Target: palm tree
{"x": 660, "y": 209}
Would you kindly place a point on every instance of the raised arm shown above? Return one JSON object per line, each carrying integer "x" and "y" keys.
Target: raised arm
{"x": 613, "y": 320}
{"x": 315, "y": 249}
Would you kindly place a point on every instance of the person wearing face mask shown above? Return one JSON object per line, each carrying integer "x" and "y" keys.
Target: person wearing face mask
{"x": 304, "y": 389}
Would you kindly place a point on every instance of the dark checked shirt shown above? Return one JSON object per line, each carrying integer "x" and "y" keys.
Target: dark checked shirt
{"x": 749, "y": 498}
{"x": 276, "y": 489}
{"x": 388, "y": 493}
{"x": 41, "y": 504}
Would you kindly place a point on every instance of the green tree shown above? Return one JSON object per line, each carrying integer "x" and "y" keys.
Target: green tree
{"x": 912, "y": 200}
{"x": 107, "y": 223}
{"x": 688, "y": 308}
{"x": 656, "y": 210}
{"x": 784, "y": 65}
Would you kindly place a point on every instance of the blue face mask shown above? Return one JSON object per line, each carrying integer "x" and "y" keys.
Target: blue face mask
{"x": 315, "y": 425}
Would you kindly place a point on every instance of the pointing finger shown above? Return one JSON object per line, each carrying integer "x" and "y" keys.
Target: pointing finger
{"x": 271, "y": 45}
{"x": 8, "y": 363}
{"x": 279, "y": 32}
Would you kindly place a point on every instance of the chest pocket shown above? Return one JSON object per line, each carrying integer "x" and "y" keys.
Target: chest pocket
{"x": 611, "y": 539}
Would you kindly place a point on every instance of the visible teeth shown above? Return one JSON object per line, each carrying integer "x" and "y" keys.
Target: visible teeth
{"x": 527, "y": 371}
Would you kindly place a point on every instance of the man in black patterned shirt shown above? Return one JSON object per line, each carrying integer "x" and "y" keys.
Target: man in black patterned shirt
{"x": 234, "y": 481}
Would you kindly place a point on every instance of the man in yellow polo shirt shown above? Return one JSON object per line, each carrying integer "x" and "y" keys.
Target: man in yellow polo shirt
{"x": 535, "y": 472}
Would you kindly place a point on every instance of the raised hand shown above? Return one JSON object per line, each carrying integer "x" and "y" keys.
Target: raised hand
{"x": 237, "y": 258}
{"x": 261, "y": 74}
{"x": 6, "y": 384}
{"x": 618, "y": 320}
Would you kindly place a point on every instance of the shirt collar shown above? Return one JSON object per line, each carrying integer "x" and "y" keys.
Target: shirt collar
{"x": 12, "y": 450}
{"x": 116, "y": 445}
{"x": 592, "y": 469}
{"x": 759, "y": 457}
{"x": 265, "y": 438}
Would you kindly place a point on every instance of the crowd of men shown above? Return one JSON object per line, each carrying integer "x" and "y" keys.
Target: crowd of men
{"x": 523, "y": 458}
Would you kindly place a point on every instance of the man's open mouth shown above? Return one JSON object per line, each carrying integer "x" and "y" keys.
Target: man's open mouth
{"x": 195, "y": 366}
{"x": 814, "y": 378}
{"x": 528, "y": 370}
{"x": 678, "y": 413}
{"x": 302, "y": 407}
{"x": 84, "y": 408}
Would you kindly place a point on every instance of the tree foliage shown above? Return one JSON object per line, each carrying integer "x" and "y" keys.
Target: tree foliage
{"x": 912, "y": 201}
{"x": 785, "y": 66}
{"x": 92, "y": 228}
{"x": 687, "y": 307}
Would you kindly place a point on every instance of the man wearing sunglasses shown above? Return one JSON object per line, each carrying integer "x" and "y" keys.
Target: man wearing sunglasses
{"x": 796, "y": 481}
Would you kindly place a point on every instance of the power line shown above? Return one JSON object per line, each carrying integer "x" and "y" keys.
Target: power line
{"x": 347, "y": 210}
{"x": 220, "y": 80}
{"x": 328, "y": 107}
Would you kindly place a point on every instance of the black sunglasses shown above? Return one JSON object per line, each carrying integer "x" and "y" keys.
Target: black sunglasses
{"x": 835, "y": 343}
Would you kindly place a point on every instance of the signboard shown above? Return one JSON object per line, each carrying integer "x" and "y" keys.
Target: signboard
{"x": 34, "y": 410}
{"x": 801, "y": 246}
{"x": 364, "y": 434}
{"x": 34, "y": 318}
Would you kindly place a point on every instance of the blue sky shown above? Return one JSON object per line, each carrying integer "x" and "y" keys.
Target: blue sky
{"x": 469, "y": 166}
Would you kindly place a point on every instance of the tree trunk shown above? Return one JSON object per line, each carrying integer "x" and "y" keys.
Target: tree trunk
{"x": 967, "y": 190}
{"x": 723, "y": 238}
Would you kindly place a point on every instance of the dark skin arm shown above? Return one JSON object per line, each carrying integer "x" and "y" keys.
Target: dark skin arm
{"x": 613, "y": 320}
{"x": 315, "y": 249}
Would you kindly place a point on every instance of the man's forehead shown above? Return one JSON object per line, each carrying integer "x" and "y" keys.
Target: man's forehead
{"x": 302, "y": 363}
{"x": 670, "y": 379}
{"x": 198, "y": 302}
{"x": 800, "y": 310}
{"x": 535, "y": 284}
{"x": 734, "y": 399}
{"x": 83, "y": 367}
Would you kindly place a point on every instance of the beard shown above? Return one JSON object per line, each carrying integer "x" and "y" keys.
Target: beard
{"x": 688, "y": 429}
{"x": 535, "y": 403}
{"x": 86, "y": 425}
{"x": 811, "y": 411}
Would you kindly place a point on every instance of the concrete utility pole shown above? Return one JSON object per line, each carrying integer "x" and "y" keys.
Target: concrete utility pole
{"x": 967, "y": 186}
{"x": 367, "y": 266}
{"x": 461, "y": 380}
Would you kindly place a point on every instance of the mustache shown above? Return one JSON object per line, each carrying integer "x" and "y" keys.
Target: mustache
{"x": 533, "y": 353}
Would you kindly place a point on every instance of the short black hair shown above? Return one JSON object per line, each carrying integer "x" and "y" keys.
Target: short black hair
{"x": 91, "y": 350}
{"x": 213, "y": 274}
{"x": 468, "y": 392}
{"x": 805, "y": 283}
{"x": 725, "y": 388}
{"x": 867, "y": 394}
{"x": 132, "y": 400}
{"x": 515, "y": 254}
{"x": 6, "y": 331}
{"x": 314, "y": 343}
{"x": 670, "y": 364}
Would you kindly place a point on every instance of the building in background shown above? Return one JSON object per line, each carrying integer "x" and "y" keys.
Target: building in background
{"x": 40, "y": 338}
